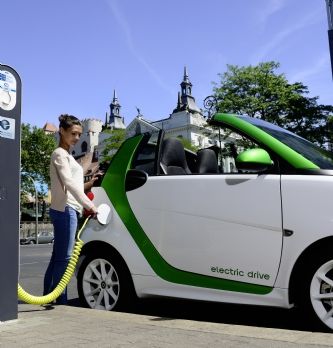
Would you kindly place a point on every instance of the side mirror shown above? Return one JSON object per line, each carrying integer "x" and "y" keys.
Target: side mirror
{"x": 254, "y": 160}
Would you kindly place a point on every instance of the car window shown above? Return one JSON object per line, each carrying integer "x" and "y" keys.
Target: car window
{"x": 232, "y": 145}
{"x": 146, "y": 155}
{"x": 320, "y": 157}
{"x": 227, "y": 145}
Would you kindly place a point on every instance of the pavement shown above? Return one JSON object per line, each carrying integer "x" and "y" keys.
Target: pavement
{"x": 67, "y": 326}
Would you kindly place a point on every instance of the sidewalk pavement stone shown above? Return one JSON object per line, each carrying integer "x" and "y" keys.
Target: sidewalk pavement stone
{"x": 65, "y": 326}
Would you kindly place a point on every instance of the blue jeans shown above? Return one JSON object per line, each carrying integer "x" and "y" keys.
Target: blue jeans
{"x": 65, "y": 225}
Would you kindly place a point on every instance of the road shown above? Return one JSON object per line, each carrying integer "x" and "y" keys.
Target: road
{"x": 34, "y": 260}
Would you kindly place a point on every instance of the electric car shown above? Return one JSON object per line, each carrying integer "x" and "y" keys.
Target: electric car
{"x": 246, "y": 220}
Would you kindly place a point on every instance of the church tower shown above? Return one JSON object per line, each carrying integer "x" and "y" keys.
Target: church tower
{"x": 185, "y": 99}
{"x": 114, "y": 120}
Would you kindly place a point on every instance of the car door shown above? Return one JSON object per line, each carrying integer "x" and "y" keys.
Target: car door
{"x": 227, "y": 226}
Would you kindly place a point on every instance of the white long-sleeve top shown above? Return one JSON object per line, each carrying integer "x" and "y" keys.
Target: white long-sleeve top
{"x": 67, "y": 186}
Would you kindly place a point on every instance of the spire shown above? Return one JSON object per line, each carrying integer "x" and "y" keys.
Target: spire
{"x": 186, "y": 85}
{"x": 185, "y": 79}
{"x": 185, "y": 99}
{"x": 115, "y": 98}
{"x": 114, "y": 107}
{"x": 115, "y": 120}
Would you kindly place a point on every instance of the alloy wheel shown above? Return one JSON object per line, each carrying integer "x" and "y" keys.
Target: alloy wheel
{"x": 100, "y": 284}
{"x": 321, "y": 293}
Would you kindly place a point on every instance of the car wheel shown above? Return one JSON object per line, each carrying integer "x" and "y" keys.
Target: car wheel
{"x": 104, "y": 283}
{"x": 32, "y": 242}
{"x": 316, "y": 291}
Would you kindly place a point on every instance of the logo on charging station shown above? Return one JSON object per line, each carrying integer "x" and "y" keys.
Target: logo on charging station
{"x": 7, "y": 127}
{"x": 7, "y": 90}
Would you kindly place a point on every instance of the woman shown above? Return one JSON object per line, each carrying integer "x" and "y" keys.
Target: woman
{"x": 67, "y": 200}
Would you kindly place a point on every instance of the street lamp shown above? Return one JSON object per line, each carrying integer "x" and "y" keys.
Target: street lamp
{"x": 211, "y": 104}
{"x": 36, "y": 205}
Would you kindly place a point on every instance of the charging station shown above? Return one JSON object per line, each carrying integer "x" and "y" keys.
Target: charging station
{"x": 10, "y": 144}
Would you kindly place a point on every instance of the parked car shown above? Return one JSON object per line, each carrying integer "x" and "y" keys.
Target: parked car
{"x": 249, "y": 223}
{"x": 44, "y": 237}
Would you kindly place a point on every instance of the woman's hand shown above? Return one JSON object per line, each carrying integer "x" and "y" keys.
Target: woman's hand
{"x": 89, "y": 184}
{"x": 91, "y": 212}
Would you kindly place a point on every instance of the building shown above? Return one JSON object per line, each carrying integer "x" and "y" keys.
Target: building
{"x": 114, "y": 120}
{"x": 85, "y": 150}
{"x": 186, "y": 121}
{"x": 50, "y": 128}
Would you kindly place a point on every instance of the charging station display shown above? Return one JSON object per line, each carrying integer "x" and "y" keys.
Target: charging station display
{"x": 7, "y": 90}
{"x": 10, "y": 144}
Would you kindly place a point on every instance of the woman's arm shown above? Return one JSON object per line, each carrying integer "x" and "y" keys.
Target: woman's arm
{"x": 61, "y": 163}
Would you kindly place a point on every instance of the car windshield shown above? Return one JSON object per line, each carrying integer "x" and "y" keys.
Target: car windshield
{"x": 322, "y": 158}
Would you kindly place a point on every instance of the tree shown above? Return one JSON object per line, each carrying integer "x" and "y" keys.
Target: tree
{"x": 36, "y": 150}
{"x": 112, "y": 143}
{"x": 259, "y": 91}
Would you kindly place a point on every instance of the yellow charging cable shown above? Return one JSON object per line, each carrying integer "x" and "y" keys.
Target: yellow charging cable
{"x": 39, "y": 300}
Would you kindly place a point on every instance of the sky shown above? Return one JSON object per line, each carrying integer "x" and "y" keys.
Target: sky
{"x": 72, "y": 54}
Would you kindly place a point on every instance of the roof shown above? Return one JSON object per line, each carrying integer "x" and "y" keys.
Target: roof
{"x": 89, "y": 164}
{"x": 50, "y": 128}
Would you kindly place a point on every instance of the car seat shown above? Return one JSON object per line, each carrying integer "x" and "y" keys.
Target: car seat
{"x": 173, "y": 160}
{"x": 207, "y": 162}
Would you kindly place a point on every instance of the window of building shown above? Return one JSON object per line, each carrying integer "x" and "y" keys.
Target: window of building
{"x": 84, "y": 146}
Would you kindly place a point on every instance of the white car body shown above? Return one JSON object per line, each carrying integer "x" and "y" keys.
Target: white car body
{"x": 229, "y": 237}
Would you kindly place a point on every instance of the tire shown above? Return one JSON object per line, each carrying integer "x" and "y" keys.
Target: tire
{"x": 31, "y": 242}
{"x": 316, "y": 290}
{"x": 104, "y": 282}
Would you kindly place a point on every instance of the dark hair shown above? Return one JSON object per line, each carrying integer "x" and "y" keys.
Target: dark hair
{"x": 67, "y": 121}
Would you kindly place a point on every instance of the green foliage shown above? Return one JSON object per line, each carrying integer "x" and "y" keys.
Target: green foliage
{"x": 36, "y": 150}
{"x": 188, "y": 144}
{"x": 259, "y": 91}
{"x": 112, "y": 143}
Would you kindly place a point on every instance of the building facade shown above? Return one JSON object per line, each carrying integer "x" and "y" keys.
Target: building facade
{"x": 186, "y": 121}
